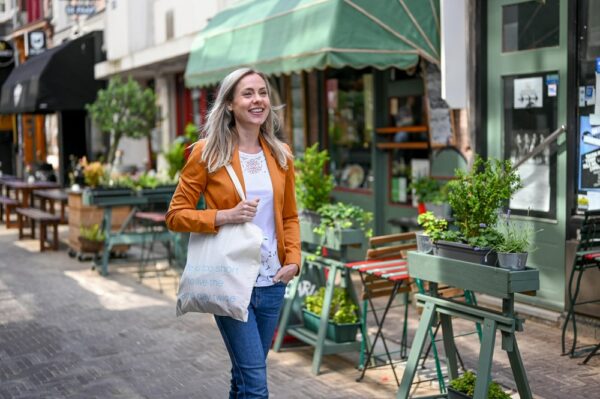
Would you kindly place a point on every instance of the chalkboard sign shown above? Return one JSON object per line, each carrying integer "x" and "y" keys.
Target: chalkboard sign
{"x": 440, "y": 124}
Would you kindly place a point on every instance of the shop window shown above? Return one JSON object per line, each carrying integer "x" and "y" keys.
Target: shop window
{"x": 348, "y": 140}
{"x": 530, "y": 115}
{"x": 530, "y": 25}
{"x": 588, "y": 109}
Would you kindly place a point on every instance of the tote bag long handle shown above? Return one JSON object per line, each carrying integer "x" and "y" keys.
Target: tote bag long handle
{"x": 236, "y": 182}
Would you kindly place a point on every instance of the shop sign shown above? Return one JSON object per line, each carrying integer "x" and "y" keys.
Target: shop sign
{"x": 7, "y": 54}
{"x": 80, "y": 9}
{"x": 36, "y": 42}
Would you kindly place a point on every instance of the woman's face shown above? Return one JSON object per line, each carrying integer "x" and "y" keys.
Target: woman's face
{"x": 251, "y": 104}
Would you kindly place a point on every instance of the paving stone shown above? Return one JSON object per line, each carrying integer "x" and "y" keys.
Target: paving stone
{"x": 66, "y": 332}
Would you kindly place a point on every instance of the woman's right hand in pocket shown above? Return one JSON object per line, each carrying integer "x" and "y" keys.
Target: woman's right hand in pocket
{"x": 241, "y": 213}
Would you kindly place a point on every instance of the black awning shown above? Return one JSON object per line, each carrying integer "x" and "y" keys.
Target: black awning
{"x": 60, "y": 79}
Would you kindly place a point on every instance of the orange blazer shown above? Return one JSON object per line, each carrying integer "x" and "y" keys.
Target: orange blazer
{"x": 220, "y": 193}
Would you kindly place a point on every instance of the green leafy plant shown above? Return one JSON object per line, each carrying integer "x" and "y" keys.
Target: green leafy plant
{"x": 429, "y": 190}
{"x": 342, "y": 310}
{"x": 466, "y": 385}
{"x": 313, "y": 186}
{"x": 477, "y": 195}
{"x": 344, "y": 216}
{"x": 92, "y": 233}
{"x": 175, "y": 155}
{"x": 123, "y": 109}
{"x": 515, "y": 237}
{"x": 433, "y": 226}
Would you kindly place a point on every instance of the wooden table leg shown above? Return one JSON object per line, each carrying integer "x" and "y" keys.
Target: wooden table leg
{"x": 55, "y": 234}
{"x": 42, "y": 236}
{"x": 62, "y": 212}
{"x": 20, "y": 223}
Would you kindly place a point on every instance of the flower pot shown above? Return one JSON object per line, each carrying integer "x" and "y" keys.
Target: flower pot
{"x": 333, "y": 238}
{"x": 424, "y": 243}
{"x": 311, "y": 217}
{"x": 454, "y": 394}
{"x": 336, "y": 332}
{"x": 512, "y": 261}
{"x": 90, "y": 245}
{"x": 466, "y": 253}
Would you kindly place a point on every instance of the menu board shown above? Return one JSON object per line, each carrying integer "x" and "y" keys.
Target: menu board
{"x": 440, "y": 124}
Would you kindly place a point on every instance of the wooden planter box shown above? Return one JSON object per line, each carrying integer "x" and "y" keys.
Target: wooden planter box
{"x": 333, "y": 239}
{"x": 467, "y": 253}
{"x": 454, "y": 394}
{"x": 489, "y": 280}
{"x": 336, "y": 332}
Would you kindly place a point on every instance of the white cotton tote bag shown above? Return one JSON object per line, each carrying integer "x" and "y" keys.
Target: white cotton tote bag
{"x": 221, "y": 268}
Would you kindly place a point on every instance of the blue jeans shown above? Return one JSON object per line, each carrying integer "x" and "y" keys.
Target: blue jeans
{"x": 248, "y": 343}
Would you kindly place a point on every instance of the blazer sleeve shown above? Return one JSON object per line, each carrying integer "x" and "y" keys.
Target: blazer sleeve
{"x": 183, "y": 215}
{"x": 291, "y": 225}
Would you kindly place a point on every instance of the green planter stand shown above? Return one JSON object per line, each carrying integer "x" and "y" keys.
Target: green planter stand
{"x": 338, "y": 241}
{"x": 489, "y": 280}
{"x": 109, "y": 198}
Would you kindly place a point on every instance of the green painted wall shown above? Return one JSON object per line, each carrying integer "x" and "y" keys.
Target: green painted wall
{"x": 549, "y": 257}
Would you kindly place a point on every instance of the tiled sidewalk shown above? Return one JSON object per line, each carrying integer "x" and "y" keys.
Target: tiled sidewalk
{"x": 65, "y": 331}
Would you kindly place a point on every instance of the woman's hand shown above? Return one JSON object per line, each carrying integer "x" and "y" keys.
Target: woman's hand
{"x": 286, "y": 273}
{"x": 242, "y": 213}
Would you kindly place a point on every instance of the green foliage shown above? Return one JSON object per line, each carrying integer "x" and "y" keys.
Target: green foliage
{"x": 476, "y": 196}
{"x": 144, "y": 180}
{"x": 486, "y": 237}
{"x": 92, "y": 233}
{"x": 434, "y": 227}
{"x": 429, "y": 190}
{"x": 342, "y": 309}
{"x": 123, "y": 109}
{"x": 313, "y": 186}
{"x": 466, "y": 385}
{"x": 175, "y": 154}
{"x": 515, "y": 237}
{"x": 344, "y": 216}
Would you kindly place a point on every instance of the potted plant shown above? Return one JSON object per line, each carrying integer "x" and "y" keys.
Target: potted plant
{"x": 313, "y": 186}
{"x": 124, "y": 109}
{"x": 464, "y": 388}
{"x": 475, "y": 198}
{"x": 343, "y": 322}
{"x": 515, "y": 241}
{"x": 433, "y": 230}
{"x": 433, "y": 194}
{"x": 91, "y": 238}
{"x": 342, "y": 224}
{"x": 176, "y": 153}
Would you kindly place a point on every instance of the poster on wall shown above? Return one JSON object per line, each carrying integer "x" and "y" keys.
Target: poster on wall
{"x": 589, "y": 155}
{"x": 528, "y": 93}
{"x": 534, "y": 173}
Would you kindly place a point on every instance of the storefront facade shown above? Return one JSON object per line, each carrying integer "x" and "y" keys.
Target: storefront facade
{"x": 539, "y": 73}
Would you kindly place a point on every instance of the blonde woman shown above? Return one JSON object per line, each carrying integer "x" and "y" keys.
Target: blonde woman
{"x": 241, "y": 130}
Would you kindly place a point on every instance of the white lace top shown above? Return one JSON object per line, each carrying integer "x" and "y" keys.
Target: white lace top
{"x": 258, "y": 185}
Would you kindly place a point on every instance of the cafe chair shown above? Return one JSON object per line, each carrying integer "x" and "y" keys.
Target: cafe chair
{"x": 587, "y": 257}
{"x": 384, "y": 274}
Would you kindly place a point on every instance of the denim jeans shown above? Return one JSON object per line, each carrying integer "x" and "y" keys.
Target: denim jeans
{"x": 248, "y": 343}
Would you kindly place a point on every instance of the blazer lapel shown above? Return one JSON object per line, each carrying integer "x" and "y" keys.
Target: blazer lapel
{"x": 277, "y": 180}
{"x": 237, "y": 167}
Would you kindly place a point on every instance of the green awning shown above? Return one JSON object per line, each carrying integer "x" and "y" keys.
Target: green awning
{"x": 284, "y": 36}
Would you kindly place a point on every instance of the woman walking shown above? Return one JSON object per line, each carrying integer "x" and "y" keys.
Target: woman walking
{"x": 240, "y": 131}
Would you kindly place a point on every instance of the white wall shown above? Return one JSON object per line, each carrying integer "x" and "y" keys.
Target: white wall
{"x": 454, "y": 52}
{"x": 129, "y": 25}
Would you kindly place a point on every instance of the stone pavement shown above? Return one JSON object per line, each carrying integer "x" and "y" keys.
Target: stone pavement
{"x": 66, "y": 332}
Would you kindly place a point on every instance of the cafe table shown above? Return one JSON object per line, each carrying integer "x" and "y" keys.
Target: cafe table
{"x": 24, "y": 189}
{"x": 493, "y": 281}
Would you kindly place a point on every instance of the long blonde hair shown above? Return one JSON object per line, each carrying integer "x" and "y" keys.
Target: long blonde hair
{"x": 219, "y": 129}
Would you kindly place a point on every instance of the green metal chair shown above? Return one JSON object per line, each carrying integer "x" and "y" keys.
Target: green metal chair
{"x": 587, "y": 258}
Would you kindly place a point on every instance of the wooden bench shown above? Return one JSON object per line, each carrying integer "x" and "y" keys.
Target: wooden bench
{"x": 44, "y": 218}
{"x": 7, "y": 205}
